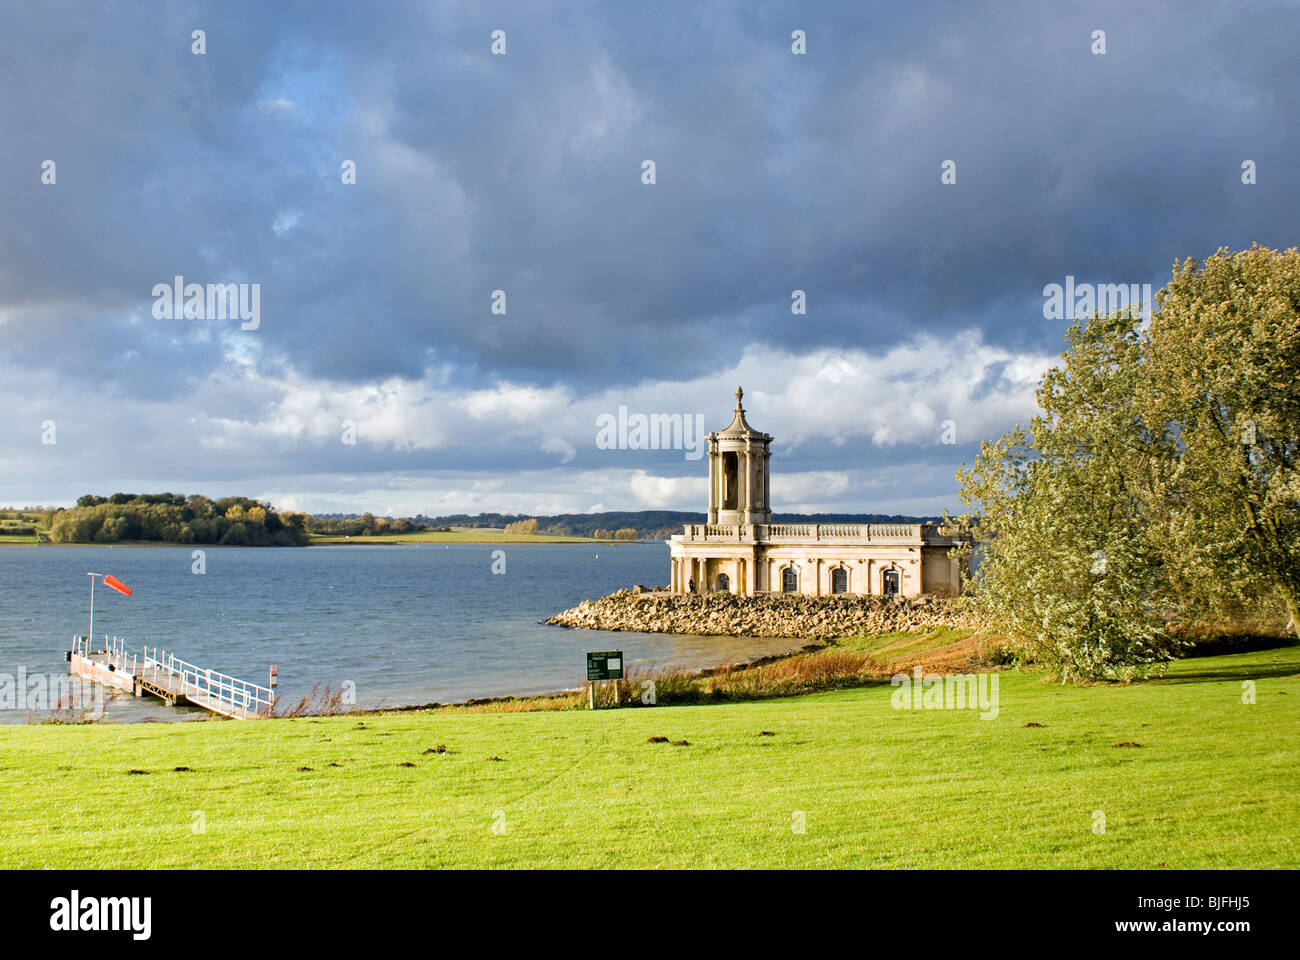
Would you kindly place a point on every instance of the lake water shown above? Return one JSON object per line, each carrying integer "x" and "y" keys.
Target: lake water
{"x": 406, "y": 624}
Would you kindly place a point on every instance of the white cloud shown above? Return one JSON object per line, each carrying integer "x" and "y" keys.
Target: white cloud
{"x": 285, "y": 221}
{"x": 856, "y": 413}
{"x": 660, "y": 493}
{"x": 560, "y": 447}
{"x": 824, "y": 486}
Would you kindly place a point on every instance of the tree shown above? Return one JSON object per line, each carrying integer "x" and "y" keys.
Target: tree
{"x": 1069, "y": 571}
{"x": 626, "y": 533}
{"x": 1160, "y": 483}
{"x": 1223, "y": 358}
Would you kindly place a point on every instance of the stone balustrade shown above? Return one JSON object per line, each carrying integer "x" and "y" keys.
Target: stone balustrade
{"x": 811, "y": 532}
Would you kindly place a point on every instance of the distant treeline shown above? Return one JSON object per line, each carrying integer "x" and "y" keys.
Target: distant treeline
{"x": 645, "y": 524}
{"x": 175, "y": 518}
{"x": 366, "y": 525}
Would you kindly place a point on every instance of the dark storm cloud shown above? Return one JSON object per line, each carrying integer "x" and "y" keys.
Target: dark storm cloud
{"x": 521, "y": 172}
{"x": 475, "y": 172}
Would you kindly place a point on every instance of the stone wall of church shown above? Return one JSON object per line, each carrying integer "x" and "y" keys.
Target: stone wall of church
{"x": 940, "y": 573}
{"x": 868, "y": 570}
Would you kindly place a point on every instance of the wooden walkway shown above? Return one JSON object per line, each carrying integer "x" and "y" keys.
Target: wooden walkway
{"x": 157, "y": 673}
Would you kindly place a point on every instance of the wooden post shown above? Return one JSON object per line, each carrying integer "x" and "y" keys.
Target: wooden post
{"x": 591, "y": 694}
{"x": 615, "y": 682}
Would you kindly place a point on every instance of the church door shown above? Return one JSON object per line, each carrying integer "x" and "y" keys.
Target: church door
{"x": 724, "y": 583}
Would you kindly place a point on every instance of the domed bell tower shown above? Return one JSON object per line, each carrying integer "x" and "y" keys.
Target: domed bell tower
{"x": 738, "y": 472}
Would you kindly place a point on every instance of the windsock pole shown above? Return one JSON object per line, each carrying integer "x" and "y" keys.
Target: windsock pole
{"x": 90, "y": 639}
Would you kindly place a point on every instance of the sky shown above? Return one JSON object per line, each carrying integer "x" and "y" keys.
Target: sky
{"x": 461, "y": 267}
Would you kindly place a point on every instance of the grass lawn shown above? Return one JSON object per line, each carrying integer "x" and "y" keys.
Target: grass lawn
{"x": 1212, "y": 783}
{"x": 17, "y": 538}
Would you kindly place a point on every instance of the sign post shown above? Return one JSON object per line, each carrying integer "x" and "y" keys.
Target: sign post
{"x": 603, "y": 665}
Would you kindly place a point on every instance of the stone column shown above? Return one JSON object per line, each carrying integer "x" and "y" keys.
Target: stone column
{"x": 743, "y": 466}
{"x": 719, "y": 486}
{"x": 767, "y": 479}
{"x": 714, "y": 470}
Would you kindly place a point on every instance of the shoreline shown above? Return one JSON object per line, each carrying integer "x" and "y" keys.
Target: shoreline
{"x": 569, "y": 692}
{"x": 552, "y": 695}
{"x": 507, "y": 539}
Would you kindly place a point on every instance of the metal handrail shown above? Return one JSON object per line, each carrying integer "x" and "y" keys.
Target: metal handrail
{"x": 203, "y": 682}
{"x": 196, "y": 682}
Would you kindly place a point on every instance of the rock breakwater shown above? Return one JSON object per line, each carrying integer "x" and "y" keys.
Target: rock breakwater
{"x": 765, "y": 615}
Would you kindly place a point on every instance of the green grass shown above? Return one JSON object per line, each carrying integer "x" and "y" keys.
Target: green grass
{"x": 1213, "y": 783}
{"x": 16, "y": 537}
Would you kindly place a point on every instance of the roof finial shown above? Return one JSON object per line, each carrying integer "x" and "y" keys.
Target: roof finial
{"x": 739, "y": 393}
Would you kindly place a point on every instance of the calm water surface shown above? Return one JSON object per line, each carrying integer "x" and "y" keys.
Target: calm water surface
{"x": 407, "y": 624}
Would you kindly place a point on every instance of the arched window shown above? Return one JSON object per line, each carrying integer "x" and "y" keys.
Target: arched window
{"x": 839, "y": 580}
{"x": 890, "y": 583}
{"x": 730, "y": 481}
{"x": 724, "y": 583}
{"x": 789, "y": 580}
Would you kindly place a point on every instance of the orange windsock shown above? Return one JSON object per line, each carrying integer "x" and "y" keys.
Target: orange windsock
{"x": 116, "y": 584}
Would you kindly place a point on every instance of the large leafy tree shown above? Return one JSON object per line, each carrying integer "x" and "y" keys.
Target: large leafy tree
{"x": 1161, "y": 479}
{"x": 1068, "y": 569}
{"x": 1222, "y": 374}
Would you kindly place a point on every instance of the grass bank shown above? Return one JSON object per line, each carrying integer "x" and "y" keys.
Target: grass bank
{"x": 838, "y": 664}
{"x": 1205, "y": 780}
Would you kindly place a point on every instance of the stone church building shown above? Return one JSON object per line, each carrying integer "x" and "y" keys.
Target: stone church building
{"x": 740, "y": 550}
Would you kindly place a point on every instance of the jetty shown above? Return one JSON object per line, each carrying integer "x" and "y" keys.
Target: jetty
{"x": 160, "y": 674}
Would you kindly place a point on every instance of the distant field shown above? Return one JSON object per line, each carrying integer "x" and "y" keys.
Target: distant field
{"x": 1177, "y": 773}
{"x": 455, "y": 536}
